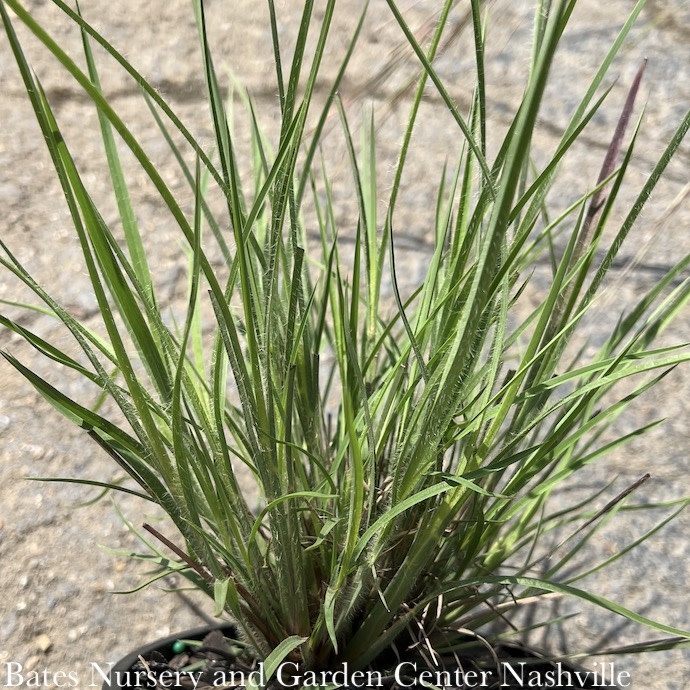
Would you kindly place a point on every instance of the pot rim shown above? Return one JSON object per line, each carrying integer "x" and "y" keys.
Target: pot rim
{"x": 163, "y": 645}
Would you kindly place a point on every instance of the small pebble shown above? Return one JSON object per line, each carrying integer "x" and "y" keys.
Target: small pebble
{"x": 31, "y": 663}
{"x": 43, "y": 642}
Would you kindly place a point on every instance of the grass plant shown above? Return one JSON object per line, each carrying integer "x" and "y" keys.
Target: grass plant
{"x": 404, "y": 454}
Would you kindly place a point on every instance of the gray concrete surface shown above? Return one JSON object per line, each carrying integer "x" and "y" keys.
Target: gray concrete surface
{"x": 58, "y": 613}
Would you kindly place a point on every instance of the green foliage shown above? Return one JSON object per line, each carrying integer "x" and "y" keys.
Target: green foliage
{"x": 429, "y": 477}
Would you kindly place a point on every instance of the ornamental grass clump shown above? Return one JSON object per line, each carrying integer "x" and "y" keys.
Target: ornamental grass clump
{"x": 403, "y": 450}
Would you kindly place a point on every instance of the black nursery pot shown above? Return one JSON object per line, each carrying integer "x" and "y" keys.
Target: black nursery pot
{"x": 124, "y": 674}
{"x": 521, "y": 668}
